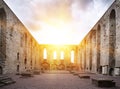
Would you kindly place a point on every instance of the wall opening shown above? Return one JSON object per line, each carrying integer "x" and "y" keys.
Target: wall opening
{"x": 1, "y": 70}
{"x": 90, "y": 57}
{"x": 31, "y": 64}
{"x": 25, "y": 39}
{"x": 54, "y": 55}
{"x": 45, "y": 53}
{"x": 72, "y": 56}
{"x": 18, "y": 68}
{"x": 94, "y": 59}
{"x": 2, "y": 27}
{"x": 98, "y": 48}
{"x": 18, "y": 56}
{"x": 2, "y": 37}
{"x": 62, "y": 55}
{"x": 85, "y": 54}
{"x": 80, "y": 58}
{"x": 112, "y": 41}
{"x": 25, "y": 61}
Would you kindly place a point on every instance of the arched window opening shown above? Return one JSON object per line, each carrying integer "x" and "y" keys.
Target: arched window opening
{"x": 18, "y": 68}
{"x": 62, "y": 55}
{"x": 45, "y": 54}
{"x": 85, "y": 54}
{"x": 2, "y": 28}
{"x": 72, "y": 56}
{"x": 98, "y": 47}
{"x": 25, "y": 39}
{"x": 112, "y": 40}
{"x": 94, "y": 60}
{"x": 25, "y": 61}
{"x": 2, "y": 37}
{"x": 91, "y": 53}
{"x": 54, "y": 55}
{"x": 17, "y": 56}
{"x": 31, "y": 64}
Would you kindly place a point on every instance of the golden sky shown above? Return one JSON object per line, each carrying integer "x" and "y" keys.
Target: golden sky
{"x": 59, "y": 21}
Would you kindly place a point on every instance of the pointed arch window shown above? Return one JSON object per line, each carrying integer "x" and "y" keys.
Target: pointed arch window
{"x": 45, "y": 54}
{"x": 55, "y": 55}
{"x": 62, "y": 55}
{"x": 72, "y": 56}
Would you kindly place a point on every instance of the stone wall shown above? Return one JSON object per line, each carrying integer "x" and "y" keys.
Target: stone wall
{"x": 19, "y": 51}
{"x": 98, "y": 52}
{"x": 104, "y": 42}
{"x": 54, "y": 64}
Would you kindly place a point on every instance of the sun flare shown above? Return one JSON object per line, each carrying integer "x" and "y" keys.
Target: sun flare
{"x": 54, "y": 33}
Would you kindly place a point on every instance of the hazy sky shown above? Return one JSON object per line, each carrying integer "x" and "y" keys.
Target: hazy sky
{"x": 59, "y": 21}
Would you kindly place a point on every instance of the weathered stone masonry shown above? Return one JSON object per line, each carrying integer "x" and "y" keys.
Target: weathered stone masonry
{"x": 98, "y": 52}
{"x": 49, "y": 63}
{"x": 103, "y": 44}
{"x": 18, "y": 49}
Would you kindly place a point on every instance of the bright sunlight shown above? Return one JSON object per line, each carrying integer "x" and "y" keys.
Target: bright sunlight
{"x": 54, "y": 33}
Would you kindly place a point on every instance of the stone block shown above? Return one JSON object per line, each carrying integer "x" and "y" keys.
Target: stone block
{"x": 103, "y": 82}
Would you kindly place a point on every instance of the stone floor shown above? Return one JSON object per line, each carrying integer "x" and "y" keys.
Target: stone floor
{"x": 56, "y": 81}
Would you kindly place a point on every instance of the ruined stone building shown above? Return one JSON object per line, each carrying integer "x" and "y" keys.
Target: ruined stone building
{"x": 58, "y": 57}
{"x": 99, "y": 51}
{"x": 19, "y": 51}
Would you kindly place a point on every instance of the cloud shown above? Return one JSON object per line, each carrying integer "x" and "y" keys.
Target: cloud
{"x": 84, "y": 4}
{"x": 77, "y": 14}
{"x": 50, "y": 12}
{"x": 21, "y": 8}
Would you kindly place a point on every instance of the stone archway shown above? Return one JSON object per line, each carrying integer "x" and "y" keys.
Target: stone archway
{"x": 84, "y": 54}
{"x": 93, "y": 43}
{"x": 112, "y": 41}
{"x": 91, "y": 53}
{"x": 98, "y": 48}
